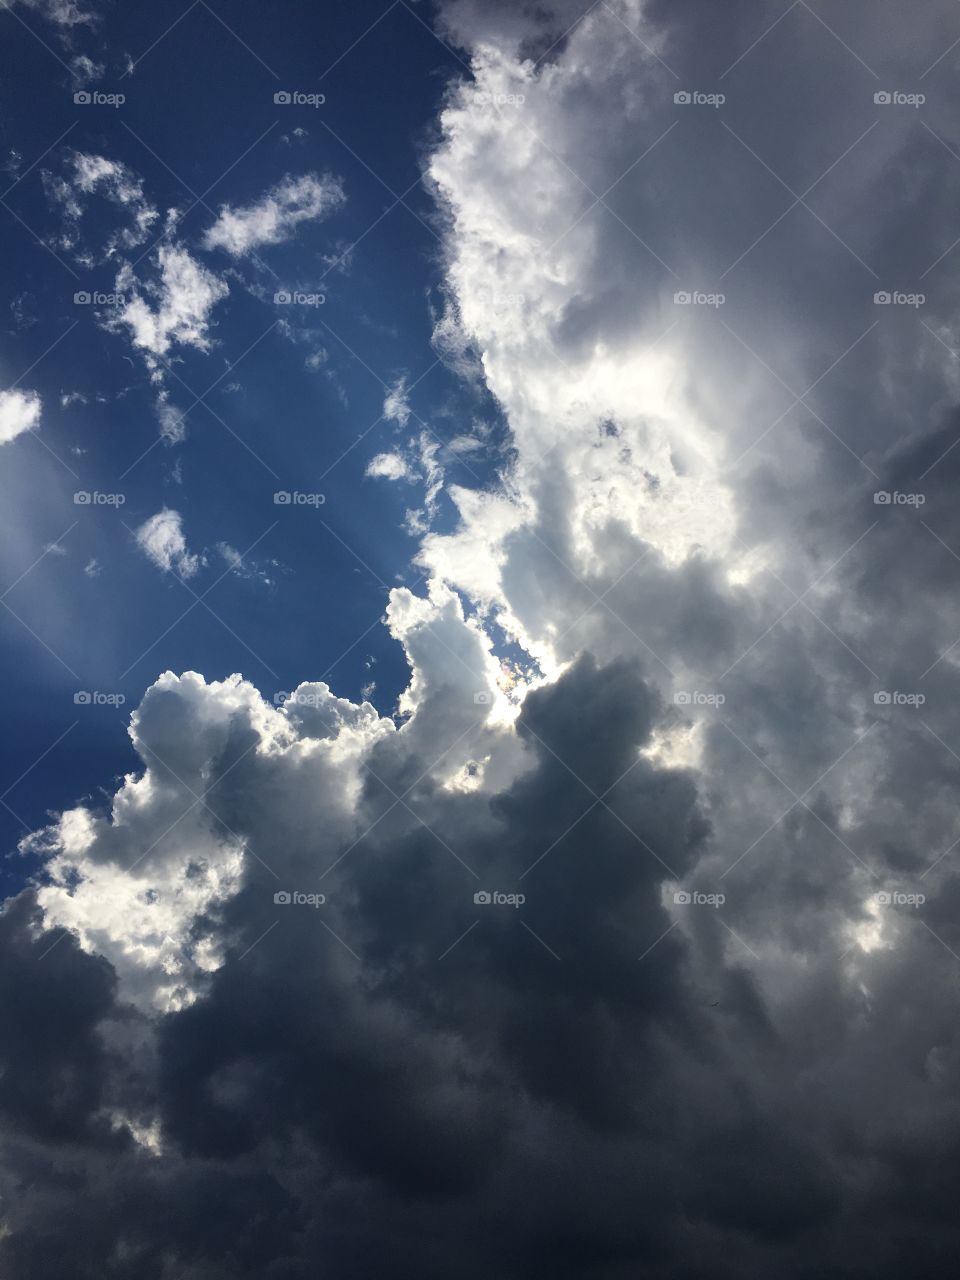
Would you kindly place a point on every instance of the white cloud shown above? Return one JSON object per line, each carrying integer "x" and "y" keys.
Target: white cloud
{"x": 161, "y": 538}
{"x": 396, "y": 405}
{"x": 63, "y": 13}
{"x": 252, "y": 570}
{"x": 87, "y": 175}
{"x": 276, "y": 216}
{"x": 19, "y": 411}
{"x": 85, "y": 70}
{"x": 172, "y": 425}
{"x": 176, "y": 310}
{"x": 388, "y": 466}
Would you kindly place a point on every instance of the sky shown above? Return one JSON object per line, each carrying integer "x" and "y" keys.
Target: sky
{"x": 480, "y": 639}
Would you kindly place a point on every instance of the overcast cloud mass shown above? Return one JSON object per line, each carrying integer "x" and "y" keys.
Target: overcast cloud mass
{"x": 528, "y": 478}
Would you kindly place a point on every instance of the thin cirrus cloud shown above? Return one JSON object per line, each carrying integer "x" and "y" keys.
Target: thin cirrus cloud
{"x": 62, "y": 13}
{"x": 85, "y": 176}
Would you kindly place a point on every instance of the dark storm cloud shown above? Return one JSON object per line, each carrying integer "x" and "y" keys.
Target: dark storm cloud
{"x": 561, "y": 1102}
{"x": 53, "y": 1065}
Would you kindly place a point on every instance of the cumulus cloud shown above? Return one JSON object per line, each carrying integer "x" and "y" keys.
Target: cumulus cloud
{"x": 161, "y": 538}
{"x": 276, "y": 216}
{"x": 19, "y": 411}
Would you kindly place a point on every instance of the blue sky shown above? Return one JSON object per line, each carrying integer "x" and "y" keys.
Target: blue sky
{"x": 199, "y": 116}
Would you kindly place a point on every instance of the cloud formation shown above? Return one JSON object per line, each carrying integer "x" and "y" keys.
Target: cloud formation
{"x": 86, "y": 175}
{"x": 174, "y": 310}
{"x": 607, "y": 953}
{"x": 161, "y": 538}
{"x": 276, "y": 216}
{"x": 19, "y": 411}
{"x": 63, "y": 13}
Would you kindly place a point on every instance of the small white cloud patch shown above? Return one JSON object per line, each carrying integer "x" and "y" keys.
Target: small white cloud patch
{"x": 276, "y": 216}
{"x": 388, "y": 466}
{"x": 161, "y": 538}
{"x": 19, "y": 412}
{"x": 184, "y": 298}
